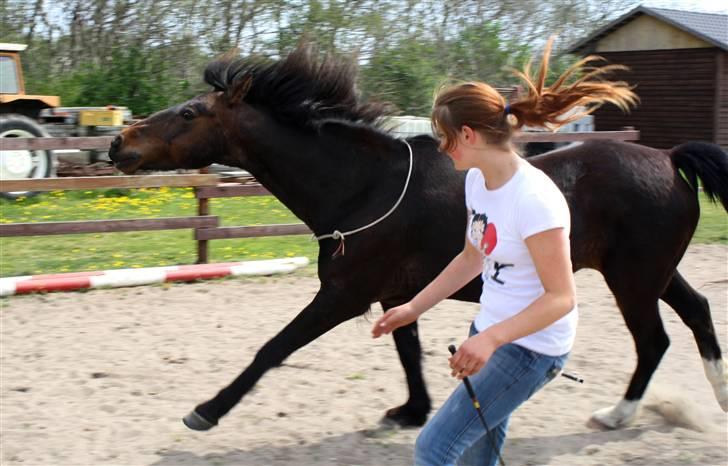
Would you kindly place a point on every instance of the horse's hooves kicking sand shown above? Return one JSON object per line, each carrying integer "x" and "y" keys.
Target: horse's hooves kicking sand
{"x": 617, "y": 416}
{"x": 716, "y": 372}
{"x": 196, "y": 422}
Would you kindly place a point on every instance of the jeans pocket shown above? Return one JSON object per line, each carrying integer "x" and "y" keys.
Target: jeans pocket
{"x": 550, "y": 375}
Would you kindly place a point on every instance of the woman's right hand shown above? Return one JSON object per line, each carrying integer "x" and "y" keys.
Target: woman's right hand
{"x": 395, "y": 318}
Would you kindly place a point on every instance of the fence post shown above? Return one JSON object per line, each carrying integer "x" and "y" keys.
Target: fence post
{"x": 203, "y": 208}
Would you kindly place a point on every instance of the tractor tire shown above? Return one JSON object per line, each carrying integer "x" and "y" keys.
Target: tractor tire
{"x": 21, "y": 164}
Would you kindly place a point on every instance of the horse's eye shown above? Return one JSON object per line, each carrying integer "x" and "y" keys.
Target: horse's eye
{"x": 188, "y": 114}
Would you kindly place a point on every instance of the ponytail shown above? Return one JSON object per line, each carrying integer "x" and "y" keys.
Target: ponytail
{"x": 548, "y": 107}
{"x": 482, "y": 108}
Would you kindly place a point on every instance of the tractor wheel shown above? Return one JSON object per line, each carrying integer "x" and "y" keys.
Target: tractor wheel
{"x": 20, "y": 164}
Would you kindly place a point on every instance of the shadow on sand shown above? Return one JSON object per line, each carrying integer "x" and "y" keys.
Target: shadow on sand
{"x": 377, "y": 448}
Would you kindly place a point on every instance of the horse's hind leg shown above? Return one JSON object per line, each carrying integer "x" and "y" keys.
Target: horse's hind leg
{"x": 693, "y": 309}
{"x": 638, "y": 305}
{"x": 414, "y": 412}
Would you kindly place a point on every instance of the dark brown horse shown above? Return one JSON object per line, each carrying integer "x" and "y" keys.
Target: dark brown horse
{"x": 299, "y": 128}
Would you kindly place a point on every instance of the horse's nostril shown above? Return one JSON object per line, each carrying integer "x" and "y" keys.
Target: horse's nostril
{"x": 114, "y": 148}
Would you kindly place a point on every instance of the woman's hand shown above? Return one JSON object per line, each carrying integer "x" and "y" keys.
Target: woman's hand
{"x": 473, "y": 355}
{"x": 395, "y": 318}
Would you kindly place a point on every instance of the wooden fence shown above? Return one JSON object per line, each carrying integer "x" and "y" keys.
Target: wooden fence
{"x": 206, "y": 227}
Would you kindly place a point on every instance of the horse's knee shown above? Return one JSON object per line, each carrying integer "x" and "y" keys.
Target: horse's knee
{"x": 652, "y": 346}
{"x": 407, "y": 341}
{"x": 661, "y": 341}
{"x": 697, "y": 316}
{"x": 407, "y": 332}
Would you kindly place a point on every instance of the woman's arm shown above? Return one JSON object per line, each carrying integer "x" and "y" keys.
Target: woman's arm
{"x": 550, "y": 252}
{"x": 458, "y": 273}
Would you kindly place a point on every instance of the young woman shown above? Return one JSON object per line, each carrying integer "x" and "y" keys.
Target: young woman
{"x": 518, "y": 240}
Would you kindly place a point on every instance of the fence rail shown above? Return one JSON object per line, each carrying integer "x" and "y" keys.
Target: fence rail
{"x": 107, "y": 182}
{"x": 83, "y": 143}
{"x": 107, "y": 226}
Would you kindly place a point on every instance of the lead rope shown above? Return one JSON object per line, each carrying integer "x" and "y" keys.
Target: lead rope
{"x": 342, "y": 236}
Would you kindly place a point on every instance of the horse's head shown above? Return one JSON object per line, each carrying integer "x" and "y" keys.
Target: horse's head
{"x": 189, "y": 135}
{"x": 254, "y": 106}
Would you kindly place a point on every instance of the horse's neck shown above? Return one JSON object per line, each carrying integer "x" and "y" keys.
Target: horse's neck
{"x": 323, "y": 178}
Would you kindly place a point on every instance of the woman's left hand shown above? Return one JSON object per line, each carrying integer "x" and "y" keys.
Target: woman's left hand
{"x": 472, "y": 355}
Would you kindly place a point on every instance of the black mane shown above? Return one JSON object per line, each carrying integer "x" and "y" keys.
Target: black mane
{"x": 299, "y": 89}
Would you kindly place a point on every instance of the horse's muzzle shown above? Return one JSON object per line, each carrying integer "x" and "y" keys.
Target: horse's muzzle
{"x": 122, "y": 160}
{"x": 114, "y": 148}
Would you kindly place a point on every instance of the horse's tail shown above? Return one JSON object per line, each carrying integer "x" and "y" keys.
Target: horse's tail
{"x": 705, "y": 161}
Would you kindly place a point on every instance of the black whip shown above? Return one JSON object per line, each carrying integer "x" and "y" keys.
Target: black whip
{"x": 572, "y": 377}
{"x": 476, "y": 404}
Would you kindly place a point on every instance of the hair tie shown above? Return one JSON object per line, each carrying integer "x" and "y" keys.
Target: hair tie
{"x": 510, "y": 118}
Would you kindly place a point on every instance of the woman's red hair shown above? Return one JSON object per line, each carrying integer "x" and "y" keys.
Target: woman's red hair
{"x": 483, "y": 109}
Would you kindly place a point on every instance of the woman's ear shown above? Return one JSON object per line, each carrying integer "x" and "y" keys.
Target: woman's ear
{"x": 467, "y": 133}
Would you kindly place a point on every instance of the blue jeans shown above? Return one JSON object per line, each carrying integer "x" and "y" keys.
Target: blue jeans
{"x": 455, "y": 435}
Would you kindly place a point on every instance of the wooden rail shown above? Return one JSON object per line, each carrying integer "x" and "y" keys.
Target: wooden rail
{"x": 106, "y": 182}
{"x": 535, "y": 136}
{"x": 83, "y": 143}
{"x": 252, "y": 231}
{"x": 107, "y": 226}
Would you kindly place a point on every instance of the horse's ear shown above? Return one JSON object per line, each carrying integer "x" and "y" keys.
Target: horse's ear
{"x": 239, "y": 89}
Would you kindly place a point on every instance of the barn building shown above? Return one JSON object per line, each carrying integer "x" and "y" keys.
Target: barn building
{"x": 678, "y": 62}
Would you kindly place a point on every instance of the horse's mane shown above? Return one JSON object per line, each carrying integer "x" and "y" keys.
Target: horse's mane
{"x": 302, "y": 88}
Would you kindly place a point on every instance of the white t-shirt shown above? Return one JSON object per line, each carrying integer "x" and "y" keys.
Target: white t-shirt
{"x": 499, "y": 221}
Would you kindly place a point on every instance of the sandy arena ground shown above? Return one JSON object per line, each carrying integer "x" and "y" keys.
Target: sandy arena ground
{"x": 103, "y": 378}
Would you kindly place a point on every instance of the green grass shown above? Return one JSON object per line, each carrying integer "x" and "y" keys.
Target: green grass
{"x": 713, "y": 225}
{"x": 70, "y": 253}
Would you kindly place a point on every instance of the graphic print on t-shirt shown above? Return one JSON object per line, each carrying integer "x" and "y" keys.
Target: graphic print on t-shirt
{"x": 483, "y": 232}
{"x": 485, "y": 236}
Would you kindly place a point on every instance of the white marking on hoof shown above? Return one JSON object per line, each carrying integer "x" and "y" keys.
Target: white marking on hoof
{"x": 617, "y": 416}
{"x": 716, "y": 372}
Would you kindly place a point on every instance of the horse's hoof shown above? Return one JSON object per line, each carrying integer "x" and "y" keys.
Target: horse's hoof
{"x": 404, "y": 416}
{"x": 616, "y": 416}
{"x": 717, "y": 373}
{"x": 196, "y": 422}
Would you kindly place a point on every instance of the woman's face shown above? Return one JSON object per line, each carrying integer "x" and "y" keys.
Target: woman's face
{"x": 457, "y": 156}
{"x": 465, "y": 150}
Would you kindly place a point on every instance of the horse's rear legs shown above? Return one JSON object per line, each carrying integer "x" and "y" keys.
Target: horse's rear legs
{"x": 641, "y": 314}
{"x": 694, "y": 310}
{"x": 328, "y": 309}
{"x": 651, "y": 341}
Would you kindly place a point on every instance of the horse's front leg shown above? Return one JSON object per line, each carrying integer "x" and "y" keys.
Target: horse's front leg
{"x": 415, "y": 410}
{"x": 330, "y": 307}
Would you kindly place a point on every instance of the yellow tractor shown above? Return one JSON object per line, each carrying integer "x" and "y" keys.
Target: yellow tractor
{"x": 24, "y": 115}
